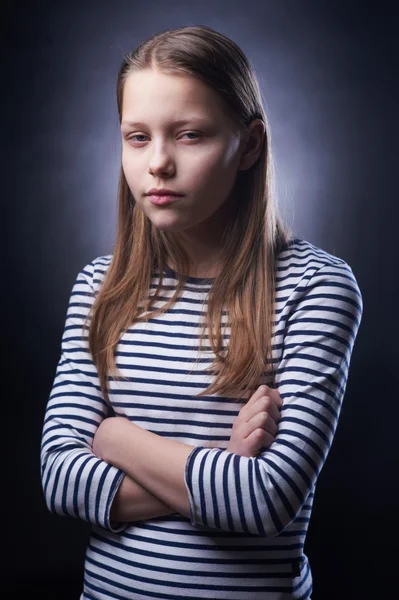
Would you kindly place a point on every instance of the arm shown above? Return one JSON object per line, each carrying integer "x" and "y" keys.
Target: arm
{"x": 74, "y": 481}
{"x": 132, "y": 502}
{"x": 263, "y": 495}
{"x": 219, "y": 489}
{"x": 154, "y": 462}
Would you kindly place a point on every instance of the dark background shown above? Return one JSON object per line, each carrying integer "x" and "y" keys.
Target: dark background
{"x": 328, "y": 74}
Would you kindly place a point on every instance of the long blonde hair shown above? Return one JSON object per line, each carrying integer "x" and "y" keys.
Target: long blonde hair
{"x": 253, "y": 237}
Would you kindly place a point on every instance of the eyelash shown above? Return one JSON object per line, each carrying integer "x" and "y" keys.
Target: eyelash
{"x": 142, "y": 135}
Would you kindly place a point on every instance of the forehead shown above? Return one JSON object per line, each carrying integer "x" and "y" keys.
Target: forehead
{"x": 151, "y": 96}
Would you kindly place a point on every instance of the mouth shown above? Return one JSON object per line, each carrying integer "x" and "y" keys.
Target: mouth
{"x": 164, "y": 199}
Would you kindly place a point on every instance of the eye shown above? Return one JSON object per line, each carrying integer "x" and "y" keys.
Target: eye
{"x": 141, "y": 135}
{"x": 192, "y": 133}
{"x": 136, "y": 136}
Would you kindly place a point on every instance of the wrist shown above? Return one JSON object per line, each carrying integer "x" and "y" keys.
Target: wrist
{"x": 109, "y": 438}
{"x": 120, "y": 434}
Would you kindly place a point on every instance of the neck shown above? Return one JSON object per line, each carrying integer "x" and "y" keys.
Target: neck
{"x": 204, "y": 243}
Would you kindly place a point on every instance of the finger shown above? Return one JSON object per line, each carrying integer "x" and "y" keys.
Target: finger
{"x": 263, "y": 404}
{"x": 263, "y": 421}
{"x": 255, "y": 441}
{"x": 272, "y": 410}
{"x": 259, "y": 440}
{"x": 268, "y": 440}
{"x": 261, "y": 391}
{"x": 275, "y": 396}
{"x": 268, "y": 424}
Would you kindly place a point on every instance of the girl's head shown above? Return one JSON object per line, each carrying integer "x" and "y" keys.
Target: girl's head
{"x": 222, "y": 166}
{"x": 186, "y": 73}
{"x": 179, "y": 133}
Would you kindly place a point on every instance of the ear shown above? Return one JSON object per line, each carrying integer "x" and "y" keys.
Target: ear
{"x": 253, "y": 140}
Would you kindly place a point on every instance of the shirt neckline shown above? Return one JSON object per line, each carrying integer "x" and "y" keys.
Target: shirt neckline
{"x": 198, "y": 280}
{"x": 209, "y": 280}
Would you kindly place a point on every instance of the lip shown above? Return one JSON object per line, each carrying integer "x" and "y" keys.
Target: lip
{"x": 162, "y": 192}
{"x": 162, "y": 200}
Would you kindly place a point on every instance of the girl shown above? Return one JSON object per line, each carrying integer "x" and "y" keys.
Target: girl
{"x": 172, "y": 448}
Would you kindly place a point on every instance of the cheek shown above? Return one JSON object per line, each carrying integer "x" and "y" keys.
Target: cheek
{"x": 126, "y": 163}
{"x": 214, "y": 176}
{"x": 208, "y": 169}
{"x": 131, "y": 172}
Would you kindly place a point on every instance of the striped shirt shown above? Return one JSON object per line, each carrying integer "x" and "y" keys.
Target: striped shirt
{"x": 249, "y": 517}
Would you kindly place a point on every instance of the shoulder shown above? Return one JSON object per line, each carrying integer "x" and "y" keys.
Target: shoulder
{"x": 302, "y": 254}
{"x": 93, "y": 273}
{"x": 302, "y": 265}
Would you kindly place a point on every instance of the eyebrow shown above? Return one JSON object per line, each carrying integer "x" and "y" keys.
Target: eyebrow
{"x": 179, "y": 122}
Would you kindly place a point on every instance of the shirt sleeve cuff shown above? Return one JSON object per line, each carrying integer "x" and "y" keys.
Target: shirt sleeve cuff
{"x": 114, "y": 526}
{"x": 195, "y": 511}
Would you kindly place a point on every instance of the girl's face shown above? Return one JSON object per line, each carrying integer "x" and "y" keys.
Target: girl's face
{"x": 198, "y": 158}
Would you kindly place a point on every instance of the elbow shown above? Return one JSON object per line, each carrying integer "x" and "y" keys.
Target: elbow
{"x": 277, "y": 519}
{"x": 49, "y": 490}
{"x": 271, "y": 525}
{"x": 48, "y": 493}
{"x": 53, "y": 481}
{"x": 276, "y": 506}
{"x": 51, "y": 507}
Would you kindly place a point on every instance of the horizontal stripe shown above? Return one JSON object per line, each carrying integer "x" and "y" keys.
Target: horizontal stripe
{"x": 249, "y": 517}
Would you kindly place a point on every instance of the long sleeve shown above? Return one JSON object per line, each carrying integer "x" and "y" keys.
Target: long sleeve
{"x": 263, "y": 495}
{"x": 75, "y": 482}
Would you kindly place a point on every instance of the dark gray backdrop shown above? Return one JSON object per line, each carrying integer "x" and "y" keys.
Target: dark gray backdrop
{"x": 328, "y": 79}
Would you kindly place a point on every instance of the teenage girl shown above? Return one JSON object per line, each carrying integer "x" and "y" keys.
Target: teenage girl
{"x": 204, "y": 363}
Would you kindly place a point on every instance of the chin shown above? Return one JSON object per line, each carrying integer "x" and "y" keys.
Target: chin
{"x": 172, "y": 227}
{"x": 167, "y": 224}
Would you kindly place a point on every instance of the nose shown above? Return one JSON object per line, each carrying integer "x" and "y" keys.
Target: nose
{"x": 161, "y": 162}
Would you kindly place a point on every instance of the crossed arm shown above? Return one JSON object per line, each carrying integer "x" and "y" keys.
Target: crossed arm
{"x": 267, "y": 493}
{"x": 134, "y": 503}
{"x": 154, "y": 466}
{"x": 154, "y": 482}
